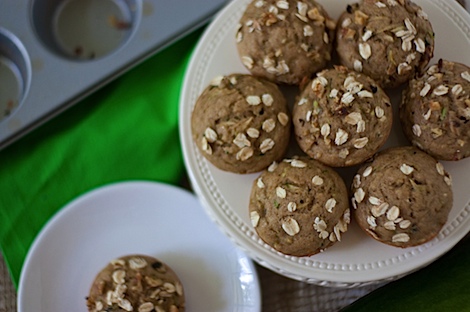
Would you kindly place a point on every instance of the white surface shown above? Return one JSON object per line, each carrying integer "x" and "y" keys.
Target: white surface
{"x": 128, "y": 218}
{"x": 357, "y": 259}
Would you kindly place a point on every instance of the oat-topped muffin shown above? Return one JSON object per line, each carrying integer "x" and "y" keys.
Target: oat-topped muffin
{"x": 299, "y": 206}
{"x": 342, "y": 117}
{"x": 402, "y": 197}
{"x": 285, "y": 41}
{"x": 435, "y": 111}
{"x": 389, "y": 40}
{"x": 241, "y": 123}
{"x": 136, "y": 283}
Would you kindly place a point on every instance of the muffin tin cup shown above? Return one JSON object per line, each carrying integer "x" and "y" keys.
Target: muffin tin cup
{"x": 53, "y": 53}
{"x": 85, "y": 29}
{"x": 15, "y": 73}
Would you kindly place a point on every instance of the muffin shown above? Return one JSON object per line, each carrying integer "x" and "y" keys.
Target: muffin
{"x": 403, "y": 197}
{"x": 435, "y": 111}
{"x": 342, "y": 117}
{"x": 299, "y": 207}
{"x": 285, "y": 41}
{"x": 136, "y": 283}
{"x": 241, "y": 123}
{"x": 388, "y": 40}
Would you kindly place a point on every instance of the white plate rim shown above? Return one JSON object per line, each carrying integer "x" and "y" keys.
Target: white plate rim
{"x": 116, "y": 188}
{"x": 302, "y": 269}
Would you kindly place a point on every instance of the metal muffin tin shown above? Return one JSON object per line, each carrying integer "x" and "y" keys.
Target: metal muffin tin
{"x": 55, "y": 52}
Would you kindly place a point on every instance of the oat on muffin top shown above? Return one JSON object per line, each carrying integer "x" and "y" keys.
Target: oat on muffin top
{"x": 402, "y": 197}
{"x": 435, "y": 111}
{"x": 285, "y": 41}
{"x": 389, "y": 40}
{"x": 342, "y": 117}
{"x": 299, "y": 206}
{"x": 241, "y": 123}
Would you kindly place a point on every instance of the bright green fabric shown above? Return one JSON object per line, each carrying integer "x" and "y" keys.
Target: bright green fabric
{"x": 440, "y": 287}
{"x": 126, "y": 131}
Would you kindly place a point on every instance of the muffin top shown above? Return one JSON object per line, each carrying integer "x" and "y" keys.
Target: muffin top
{"x": 241, "y": 123}
{"x": 388, "y": 40}
{"x": 285, "y": 41}
{"x": 402, "y": 197}
{"x": 136, "y": 283}
{"x": 299, "y": 206}
{"x": 435, "y": 111}
{"x": 342, "y": 117}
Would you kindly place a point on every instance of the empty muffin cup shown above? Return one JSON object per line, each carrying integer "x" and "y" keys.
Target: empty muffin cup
{"x": 85, "y": 29}
{"x": 15, "y": 73}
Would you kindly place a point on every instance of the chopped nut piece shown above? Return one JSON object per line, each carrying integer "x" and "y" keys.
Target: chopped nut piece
{"x": 360, "y": 18}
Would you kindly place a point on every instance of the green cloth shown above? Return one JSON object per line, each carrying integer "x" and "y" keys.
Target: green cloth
{"x": 128, "y": 130}
{"x": 442, "y": 286}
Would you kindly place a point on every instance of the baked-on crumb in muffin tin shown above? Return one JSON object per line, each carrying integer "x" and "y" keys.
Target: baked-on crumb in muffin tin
{"x": 342, "y": 117}
{"x": 299, "y": 206}
{"x": 138, "y": 283}
{"x": 388, "y": 40}
{"x": 285, "y": 41}
{"x": 435, "y": 111}
{"x": 402, "y": 197}
{"x": 241, "y": 123}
